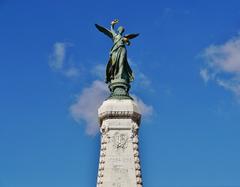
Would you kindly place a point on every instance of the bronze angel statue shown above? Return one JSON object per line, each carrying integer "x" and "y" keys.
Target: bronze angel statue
{"x": 118, "y": 67}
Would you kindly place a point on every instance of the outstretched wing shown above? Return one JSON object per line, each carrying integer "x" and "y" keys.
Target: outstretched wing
{"x": 104, "y": 30}
{"x": 131, "y": 36}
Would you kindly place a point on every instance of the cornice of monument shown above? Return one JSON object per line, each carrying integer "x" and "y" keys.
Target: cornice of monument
{"x": 136, "y": 117}
{"x": 124, "y": 109}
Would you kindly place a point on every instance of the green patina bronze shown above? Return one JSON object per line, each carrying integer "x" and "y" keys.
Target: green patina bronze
{"x": 118, "y": 72}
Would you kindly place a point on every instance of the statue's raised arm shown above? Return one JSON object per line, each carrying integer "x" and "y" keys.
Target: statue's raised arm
{"x": 118, "y": 72}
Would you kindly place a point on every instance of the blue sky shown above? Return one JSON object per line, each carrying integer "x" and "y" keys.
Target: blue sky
{"x": 187, "y": 66}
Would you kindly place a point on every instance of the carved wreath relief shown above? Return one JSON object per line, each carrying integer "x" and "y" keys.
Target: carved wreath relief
{"x": 120, "y": 141}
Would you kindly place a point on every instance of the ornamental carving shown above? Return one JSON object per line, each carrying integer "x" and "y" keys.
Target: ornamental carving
{"x": 120, "y": 140}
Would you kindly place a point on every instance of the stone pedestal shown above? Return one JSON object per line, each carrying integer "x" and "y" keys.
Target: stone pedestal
{"x": 119, "y": 164}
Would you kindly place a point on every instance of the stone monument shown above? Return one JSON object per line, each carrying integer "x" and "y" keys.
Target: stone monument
{"x": 119, "y": 118}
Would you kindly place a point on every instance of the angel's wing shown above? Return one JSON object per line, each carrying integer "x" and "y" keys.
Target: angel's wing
{"x": 104, "y": 30}
{"x": 131, "y": 36}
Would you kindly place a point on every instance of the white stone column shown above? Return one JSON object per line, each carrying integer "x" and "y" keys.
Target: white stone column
{"x": 119, "y": 164}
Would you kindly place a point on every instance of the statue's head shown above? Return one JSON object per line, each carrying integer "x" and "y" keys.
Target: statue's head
{"x": 120, "y": 30}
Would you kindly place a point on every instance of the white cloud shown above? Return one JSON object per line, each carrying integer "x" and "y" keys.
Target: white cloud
{"x": 57, "y": 57}
{"x": 71, "y": 72}
{"x": 59, "y": 62}
{"x": 222, "y": 65}
{"x": 146, "y": 110}
{"x": 141, "y": 79}
{"x": 86, "y": 105}
{"x": 204, "y": 74}
{"x": 224, "y": 57}
{"x": 231, "y": 85}
{"x": 99, "y": 71}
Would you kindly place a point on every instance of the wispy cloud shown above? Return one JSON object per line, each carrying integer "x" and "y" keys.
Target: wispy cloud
{"x": 86, "y": 105}
{"x": 204, "y": 74}
{"x": 141, "y": 78}
{"x": 71, "y": 72}
{"x": 146, "y": 110}
{"x": 60, "y": 62}
{"x": 222, "y": 65}
{"x": 99, "y": 71}
{"x": 84, "y": 109}
{"x": 57, "y": 57}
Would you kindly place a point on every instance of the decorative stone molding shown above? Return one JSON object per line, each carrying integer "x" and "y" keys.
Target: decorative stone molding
{"x": 137, "y": 161}
{"x": 136, "y": 117}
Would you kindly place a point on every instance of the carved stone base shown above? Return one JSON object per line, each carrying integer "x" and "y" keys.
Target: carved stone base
{"x": 119, "y": 164}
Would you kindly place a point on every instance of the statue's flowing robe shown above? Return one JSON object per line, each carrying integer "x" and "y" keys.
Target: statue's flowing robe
{"x": 118, "y": 67}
